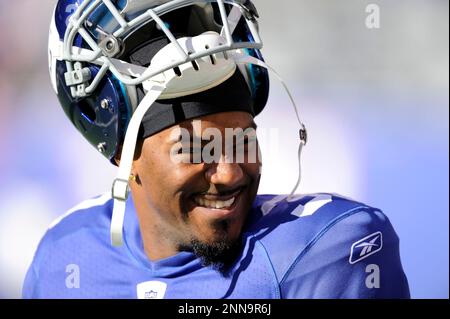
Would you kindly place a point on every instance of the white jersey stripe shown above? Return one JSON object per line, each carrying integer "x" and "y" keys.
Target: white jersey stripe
{"x": 83, "y": 205}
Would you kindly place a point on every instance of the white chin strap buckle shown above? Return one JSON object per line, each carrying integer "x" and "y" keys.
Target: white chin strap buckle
{"x": 120, "y": 189}
{"x": 120, "y": 192}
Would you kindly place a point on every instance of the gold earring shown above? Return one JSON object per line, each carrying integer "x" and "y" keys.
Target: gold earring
{"x": 132, "y": 178}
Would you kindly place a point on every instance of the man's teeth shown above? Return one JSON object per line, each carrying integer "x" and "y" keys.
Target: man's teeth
{"x": 218, "y": 204}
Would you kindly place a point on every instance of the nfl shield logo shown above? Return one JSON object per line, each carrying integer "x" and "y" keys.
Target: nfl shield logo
{"x": 151, "y": 290}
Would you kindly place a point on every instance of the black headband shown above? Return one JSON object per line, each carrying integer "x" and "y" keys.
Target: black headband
{"x": 232, "y": 95}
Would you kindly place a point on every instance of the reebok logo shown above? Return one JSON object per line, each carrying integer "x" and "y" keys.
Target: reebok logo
{"x": 366, "y": 247}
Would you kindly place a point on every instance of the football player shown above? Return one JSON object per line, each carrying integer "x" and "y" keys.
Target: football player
{"x": 157, "y": 86}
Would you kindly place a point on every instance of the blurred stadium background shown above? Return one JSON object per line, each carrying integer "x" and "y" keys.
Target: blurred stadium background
{"x": 375, "y": 102}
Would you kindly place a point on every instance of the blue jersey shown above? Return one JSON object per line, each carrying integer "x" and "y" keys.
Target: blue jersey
{"x": 312, "y": 246}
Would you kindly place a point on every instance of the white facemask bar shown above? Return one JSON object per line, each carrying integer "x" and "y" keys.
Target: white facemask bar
{"x": 97, "y": 56}
{"x": 246, "y": 59}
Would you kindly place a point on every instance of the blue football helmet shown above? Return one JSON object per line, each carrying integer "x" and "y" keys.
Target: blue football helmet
{"x": 95, "y": 79}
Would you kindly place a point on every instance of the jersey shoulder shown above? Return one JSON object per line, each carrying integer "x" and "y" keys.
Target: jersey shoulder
{"x": 90, "y": 215}
{"x": 298, "y": 223}
{"x": 73, "y": 237}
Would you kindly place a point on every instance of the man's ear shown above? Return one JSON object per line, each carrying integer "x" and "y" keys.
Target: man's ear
{"x": 133, "y": 176}
{"x": 137, "y": 152}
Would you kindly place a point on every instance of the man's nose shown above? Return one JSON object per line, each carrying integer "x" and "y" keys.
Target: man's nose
{"x": 225, "y": 173}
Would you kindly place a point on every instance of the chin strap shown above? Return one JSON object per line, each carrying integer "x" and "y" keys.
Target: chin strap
{"x": 120, "y": 188}
{"x": 241, "y": 58}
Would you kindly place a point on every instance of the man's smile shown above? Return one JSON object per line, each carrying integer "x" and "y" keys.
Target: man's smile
{"x": 222, "y": 205}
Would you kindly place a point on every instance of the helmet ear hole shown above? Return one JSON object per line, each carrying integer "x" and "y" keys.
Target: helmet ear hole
{"x": 87, "y": 110}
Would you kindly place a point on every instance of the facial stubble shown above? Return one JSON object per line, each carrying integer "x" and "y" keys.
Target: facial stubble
{"x": 219, "y": 254}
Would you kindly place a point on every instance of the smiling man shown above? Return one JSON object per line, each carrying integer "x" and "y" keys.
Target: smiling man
{"x": 168, "y": 91}
{"x": 198, "y": 206}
